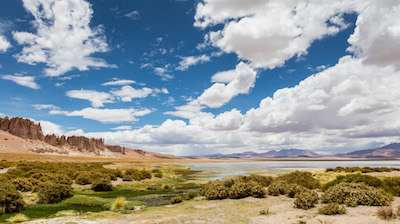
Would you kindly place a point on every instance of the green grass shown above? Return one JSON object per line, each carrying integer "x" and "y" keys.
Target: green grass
{"x": 119, "y": 193}
{"x": 80, "y": 203}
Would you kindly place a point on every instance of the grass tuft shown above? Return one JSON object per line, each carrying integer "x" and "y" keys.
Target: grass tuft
{"x": 118, "y": 204}
{"x": 66, "y": 213}
{"x": 18, "y": 218}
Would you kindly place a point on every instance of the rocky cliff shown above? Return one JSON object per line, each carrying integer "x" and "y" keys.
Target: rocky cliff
{"x": 23, "y": 128}
{"x": 116, "y": 148}
{"x": 27, "y": 129}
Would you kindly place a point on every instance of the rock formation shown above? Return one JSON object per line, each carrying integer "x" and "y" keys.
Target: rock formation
{"x": 141, "y": 152}
{"x": 86, "y": 144}
{"x": 116, "y": 148}
{"x": 23, "y": 128}
{"x": 27, "y": 129}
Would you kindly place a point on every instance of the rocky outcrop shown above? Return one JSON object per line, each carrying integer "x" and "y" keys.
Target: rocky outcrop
{"x": 141, "y": 152}
{"x": 54, "y": 140}
{"x": 80, "y": 143}
{"x": 86, "y": 144}
{"x": 23, "y": 128}
{"x": 116, "y": 148}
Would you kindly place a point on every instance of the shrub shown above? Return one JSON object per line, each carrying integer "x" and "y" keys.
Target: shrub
{"x": 10, "y": 199}
{"x": 386, "y": 213}
{"x": 239, "y": 190}
{"x": 83, "y": 178}
{"x": 118, "y": 173}
{"x": 264, "y": 181}
{"x": 56, "y": 178}
{"x": 394, "y": 184}
{"x": 217, "y": 190}
{"x": 102, "y": 185}
{"x": 145, "y": 174}
{"x": 264, "y": 211}
{"x": 332, "y": 209}
{"x": 302, "y": 178}
{"x": 158, "y": 175}
{"x": 118, "y": 204}
{"x": 18, "y": 218}
{"x": 191, "y": 194}
{"x": 50, "y": 192}
{"x": 167, "y": 187}
{"x": 177, "y": 199}
{"x": 293, "y": 189}
{"x": 130, "y": 171}
{"x": 23, "y": 184}
{"x": 277, "y": 188}
{"x": 358, "y": 178}
{"x": 353, "y": 194}
{"x": 306, "y": 199}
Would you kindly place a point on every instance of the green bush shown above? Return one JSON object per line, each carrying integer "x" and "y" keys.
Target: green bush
{"x": 83, "y": 178}
{"x": 332, "y": 209}
{"x": 158, "y": 175}
{"x": 359, "y": 178}
{"x": 353, "y": 194}
{"x": 302, "y": 178}
{"x": 56, "y": 178}
{"x": 306, "y": 199}
{"x": 103, "y": 184}
{"x": 217, "y": 190}
{"x": 23, "y": 184}
{"x": 239, "y": 190}
{"x": 293, "y": 189}
{"x": 264, "y": 181}
{"x": 177, "y": 199}
{"x": 278, "y": 187}
{"x": 127, "y": 178}
{"x": 167, "y": 187}
{"x": 10, "y": 199}
{"x": 191, "y": 194}
{"x": 50, "y": 192}
{"x": 145, "y": 174}
{"x": 394, "y": 184}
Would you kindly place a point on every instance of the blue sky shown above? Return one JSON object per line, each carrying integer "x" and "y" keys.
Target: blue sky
{"x": 200, "y": 77}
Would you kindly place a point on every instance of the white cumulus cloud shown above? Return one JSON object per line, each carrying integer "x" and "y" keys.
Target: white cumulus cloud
{"x": 62, "y": 44}
{"x": 186, "y": 62}
{"x": 96, "y": 98}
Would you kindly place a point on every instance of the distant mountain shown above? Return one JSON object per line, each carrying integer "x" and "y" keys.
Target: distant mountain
{"x": 283, "y": 153}
{"x": 390, "y": 151}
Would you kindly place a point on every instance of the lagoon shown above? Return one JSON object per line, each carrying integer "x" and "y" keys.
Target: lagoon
{"x": 221, "y": 170}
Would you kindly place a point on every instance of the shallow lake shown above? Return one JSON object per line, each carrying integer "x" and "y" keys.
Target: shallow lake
{"x": 221, "y": 170}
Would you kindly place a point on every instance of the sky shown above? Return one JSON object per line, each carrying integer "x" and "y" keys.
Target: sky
{"x": 206, "y": 76}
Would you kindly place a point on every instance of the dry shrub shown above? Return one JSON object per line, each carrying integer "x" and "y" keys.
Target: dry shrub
{"x": 302, "y": 178}
{"x": 50, "y": 192}
{"x": 386, "y": 213}
{"x": 332, "y": 209}
{"x": 83, "y": 178}
{"x": 102, "y": 185}
{"x": 23, "y": 184}
{"x": 294, "y": 189}
{"x": 353, "y": 194}
{"x": 306, "y": 199}
{"x": 277, "y": 188}
{"x": 191, "y": 194}
{"x": 10, "y": 199}
{"x": 217, "y": 190}
{"x": 177, "y": 199}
